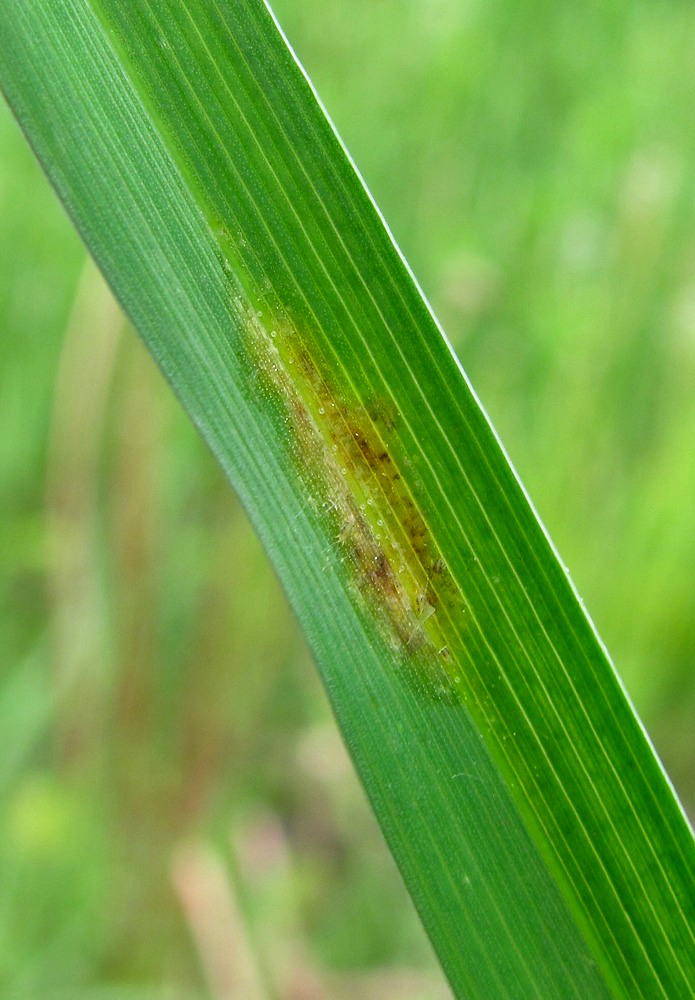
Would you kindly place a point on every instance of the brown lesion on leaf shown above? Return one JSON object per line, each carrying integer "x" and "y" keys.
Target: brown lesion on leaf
{"x": 344, "y": 453}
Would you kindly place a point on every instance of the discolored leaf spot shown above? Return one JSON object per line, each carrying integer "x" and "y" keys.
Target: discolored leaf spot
{"x": 343, "y": 450}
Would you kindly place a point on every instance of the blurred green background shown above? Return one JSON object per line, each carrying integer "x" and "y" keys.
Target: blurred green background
{"x": 178, "y": 818}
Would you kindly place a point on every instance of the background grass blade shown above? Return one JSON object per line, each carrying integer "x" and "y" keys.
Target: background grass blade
{"x": 529, "y": 816}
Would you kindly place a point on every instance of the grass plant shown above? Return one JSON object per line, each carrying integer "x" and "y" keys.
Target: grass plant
{"x": 535, "y": 830}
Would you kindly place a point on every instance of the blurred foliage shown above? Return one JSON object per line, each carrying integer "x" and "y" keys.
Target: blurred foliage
{"x": 178, "y": 817}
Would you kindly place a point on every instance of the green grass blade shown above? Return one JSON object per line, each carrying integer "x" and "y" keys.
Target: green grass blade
{"x": 536, "y": 832}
